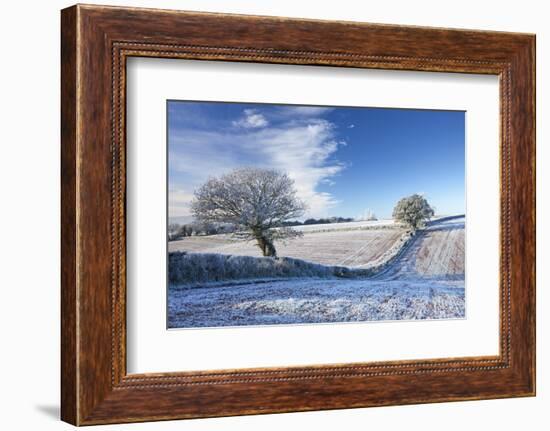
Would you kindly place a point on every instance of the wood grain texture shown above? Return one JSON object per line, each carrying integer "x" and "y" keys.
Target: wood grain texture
{"x": 96, "y": 41}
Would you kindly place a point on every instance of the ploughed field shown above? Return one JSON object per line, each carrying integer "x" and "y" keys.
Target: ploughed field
{"x": 437, "y": 252}
{"x": 424, "y": 280}
{"x": 350, "y": 245}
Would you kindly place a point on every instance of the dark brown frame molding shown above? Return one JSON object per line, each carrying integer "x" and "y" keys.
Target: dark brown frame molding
{"x": 95, "y": 43}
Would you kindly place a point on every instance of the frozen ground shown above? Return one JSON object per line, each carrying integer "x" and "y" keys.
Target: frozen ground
{"x": 315, "y": 301}
{"x": 343, "y": 246}
{"x": 426, "y": 281}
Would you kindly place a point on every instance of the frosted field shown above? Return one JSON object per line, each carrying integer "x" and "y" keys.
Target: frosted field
{"x": 425, "y": 281}
{"x": 436, "y": 253}
{"x": 353, "y": 225}
{"x": 337, "y": 244}
{"x": 315, "y": 301}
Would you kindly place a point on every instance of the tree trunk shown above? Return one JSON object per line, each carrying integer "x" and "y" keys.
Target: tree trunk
{"x": 270, "y": 249}
{"x": 266, "y": 245}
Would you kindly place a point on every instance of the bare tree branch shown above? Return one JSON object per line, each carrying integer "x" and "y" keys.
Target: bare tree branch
{"x": 257, "y": 201}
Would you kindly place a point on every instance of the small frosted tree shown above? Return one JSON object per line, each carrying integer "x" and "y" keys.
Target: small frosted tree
{"x": 413, "y": 211}
{"x": 258, "y": 201}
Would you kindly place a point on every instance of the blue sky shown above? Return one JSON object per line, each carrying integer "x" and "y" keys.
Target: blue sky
{"x": 344, "y": 161}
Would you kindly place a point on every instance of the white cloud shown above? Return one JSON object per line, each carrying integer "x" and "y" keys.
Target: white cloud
{"x": 351, "y": 126}
{"x": 178, "y": 203}
{"x": 304, "y": 149}
{"x": 252, "y": 119}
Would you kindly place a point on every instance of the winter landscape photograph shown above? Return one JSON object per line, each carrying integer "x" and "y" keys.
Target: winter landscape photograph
{"x": 298, "y": 214}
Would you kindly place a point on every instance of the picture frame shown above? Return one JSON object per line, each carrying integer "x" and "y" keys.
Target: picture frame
{"x": 96, "y": 42}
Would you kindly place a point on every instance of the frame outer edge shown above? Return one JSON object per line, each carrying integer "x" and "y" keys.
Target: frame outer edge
{"x": 530, "y": 63}
{"x": 87, "y": 396}
{"x": 533, "y": 54}
{"x": 523, "y": 217}
{"x": 532, "y": 82}
{"x": 69, "y": 202}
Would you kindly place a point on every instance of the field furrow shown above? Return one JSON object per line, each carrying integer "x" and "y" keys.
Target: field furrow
{"x": 354, "y": 248}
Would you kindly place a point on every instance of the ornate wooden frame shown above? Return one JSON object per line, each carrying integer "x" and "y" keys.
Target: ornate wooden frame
{"x": 96, "y": 41}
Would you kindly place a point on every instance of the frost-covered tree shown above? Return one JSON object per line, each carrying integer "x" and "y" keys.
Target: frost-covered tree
{"x": 173, "y": 230}
{"x": 258, "y": 201}
{"x": 413, "y": 210}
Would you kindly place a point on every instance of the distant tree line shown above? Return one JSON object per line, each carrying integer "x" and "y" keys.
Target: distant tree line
{"x": 310, "y": 221}
{"x": 178, "y": 231}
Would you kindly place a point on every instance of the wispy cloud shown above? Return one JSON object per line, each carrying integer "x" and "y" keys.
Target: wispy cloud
{"x": 178, "y": 203}
{"x": 304, "y": 148}
{"x": 251, "y": 119}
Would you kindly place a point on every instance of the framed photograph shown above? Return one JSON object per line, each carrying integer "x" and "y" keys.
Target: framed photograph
{"x": 269, "y": 218}
{"x": 263, "y": 214}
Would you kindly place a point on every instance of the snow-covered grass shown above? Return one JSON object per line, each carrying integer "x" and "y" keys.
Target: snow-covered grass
{"x": 199, "y": 268}
{"x": 204, "y": 269}
{"x": 314, "y": 301}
